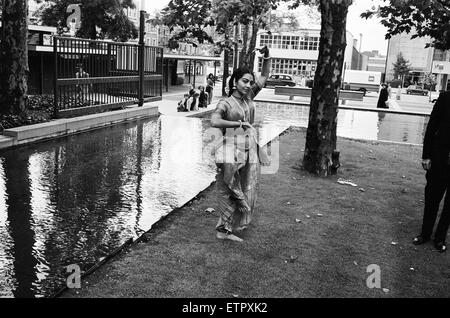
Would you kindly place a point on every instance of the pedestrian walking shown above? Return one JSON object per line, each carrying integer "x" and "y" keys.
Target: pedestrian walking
{"x": 82, "y": 90}
{"x": 210, "y": 87}
{"x": 436, "y": 162}
{"x": 384, "y": 95}
{"x": 203, "y": 97}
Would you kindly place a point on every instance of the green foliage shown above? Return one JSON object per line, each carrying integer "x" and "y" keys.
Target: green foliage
{"x": 188, "y": 20}
{"x": 401, "y": 66}
{"x": 429, "y": 81}
{"x": 39, "y": 109}
{"x": 296, "y": 3}
{"x": 420, "y": 17}
{"x": 108, "y": 15}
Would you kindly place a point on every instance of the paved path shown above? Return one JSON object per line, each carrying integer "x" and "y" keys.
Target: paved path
{"x": 169, "y": 103}
{"x": 408, "y": 103}
{"x": 411, "y": 103}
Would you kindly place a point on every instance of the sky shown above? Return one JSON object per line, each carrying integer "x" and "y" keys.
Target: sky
{"x": 372, "y": 31}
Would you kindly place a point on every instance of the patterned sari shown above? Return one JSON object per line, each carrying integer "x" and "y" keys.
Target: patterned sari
{"x": 238, "y": 164}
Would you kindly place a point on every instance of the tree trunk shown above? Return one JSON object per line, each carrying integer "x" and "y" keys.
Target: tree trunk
{"x": 14, "y": 56}
{"x": 236, "y": 46}
{"x": 250, "y": 55}
{"x": 321, "y": 132}
{"x": 226, "y": 57}
{"x": 226, "y": 60}
{"x": 252, "y": 45}
{"x": 244, "y": 50}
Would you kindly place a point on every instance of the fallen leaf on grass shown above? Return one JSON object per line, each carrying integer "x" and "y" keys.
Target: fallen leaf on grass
{"x": 235, "y": 295}
{"x": 298, "y": 220}
{"x": 347, "y": 182}
{"x": 394, "y": 243}
{"x": 386, "y": 290}
{"x": 362, "y": 190}
{"x": 210, "y": 210}
{"x": 354, "y": 262}
{"x": 411, "y": 268}
{"x": 319, "y": 214}
{"x": 308, "y": 216}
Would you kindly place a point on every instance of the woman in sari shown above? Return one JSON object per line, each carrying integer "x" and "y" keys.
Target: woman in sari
{"x": 238, "y": 156}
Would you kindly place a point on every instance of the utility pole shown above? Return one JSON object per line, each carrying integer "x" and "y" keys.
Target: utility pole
{"x": 141, "y": 52}
{"x": 359, "y": 52}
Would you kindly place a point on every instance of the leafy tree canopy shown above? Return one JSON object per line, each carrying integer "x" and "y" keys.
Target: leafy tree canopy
{"x": 420, "y": 17}
{"x": 188, "y": 20}
{"x": 107, "y": 15}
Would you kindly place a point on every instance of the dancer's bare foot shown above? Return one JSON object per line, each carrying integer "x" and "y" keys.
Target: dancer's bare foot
{"x": 231, "y": 237}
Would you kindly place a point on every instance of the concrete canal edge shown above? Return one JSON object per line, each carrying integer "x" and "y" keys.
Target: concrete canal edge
{"x": 68, "y": 126}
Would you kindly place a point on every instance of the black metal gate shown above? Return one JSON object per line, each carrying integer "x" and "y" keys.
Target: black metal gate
{"x": 94, "y": 76}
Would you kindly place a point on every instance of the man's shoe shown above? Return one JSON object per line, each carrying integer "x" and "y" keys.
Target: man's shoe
{"x": 440, "y": 246}
{"x": 418, "y": 240}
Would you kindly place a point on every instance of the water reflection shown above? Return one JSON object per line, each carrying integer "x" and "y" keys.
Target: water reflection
{"x": 74, "y": 200}
{"x": 351, "y": 123}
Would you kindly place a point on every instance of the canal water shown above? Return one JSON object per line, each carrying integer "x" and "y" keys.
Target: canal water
{"x": 73, "y": 200}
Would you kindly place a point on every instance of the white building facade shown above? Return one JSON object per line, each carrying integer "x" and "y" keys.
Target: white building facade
{"x": 441, "y": 68}
{"x": 413, "y": 50}
{"x": 296, "y": 52}
{"x": 423, "y": 60}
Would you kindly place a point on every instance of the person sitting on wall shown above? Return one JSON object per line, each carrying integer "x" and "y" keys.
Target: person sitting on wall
{"x": 192, "y": 102}
{"x": 191, "y": 90}
{"x": 182, "y": 104}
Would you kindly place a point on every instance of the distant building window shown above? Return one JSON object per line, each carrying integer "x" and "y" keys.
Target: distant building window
{"x": 277, "y": 42}
{"x": 291, "y": 66}
{"x": 438, "y": 55}
{"x": 266, "y": 40}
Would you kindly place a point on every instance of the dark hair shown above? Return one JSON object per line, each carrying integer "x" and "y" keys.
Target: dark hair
{"x": 211, "y": 75}
{"x": 237, "y": 75}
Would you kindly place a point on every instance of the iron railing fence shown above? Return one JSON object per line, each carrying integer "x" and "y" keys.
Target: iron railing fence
{"x": 92, "y": 76}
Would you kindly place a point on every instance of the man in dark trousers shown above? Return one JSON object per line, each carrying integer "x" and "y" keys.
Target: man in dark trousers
{"x": 384, "y": 95}
{"x": 436, "y": 161}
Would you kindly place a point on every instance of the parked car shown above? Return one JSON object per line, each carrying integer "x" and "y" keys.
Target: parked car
{"x": 280, "y": 80}
{"x": 416, "y": 90}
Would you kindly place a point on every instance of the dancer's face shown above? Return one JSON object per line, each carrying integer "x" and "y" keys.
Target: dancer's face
{"x": 244, "y": 84}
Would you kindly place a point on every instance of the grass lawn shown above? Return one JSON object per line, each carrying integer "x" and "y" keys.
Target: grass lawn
{"x": 312, "y": 237}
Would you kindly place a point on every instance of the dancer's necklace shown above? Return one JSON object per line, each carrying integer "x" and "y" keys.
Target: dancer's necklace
{"x": 239, "y": 104}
